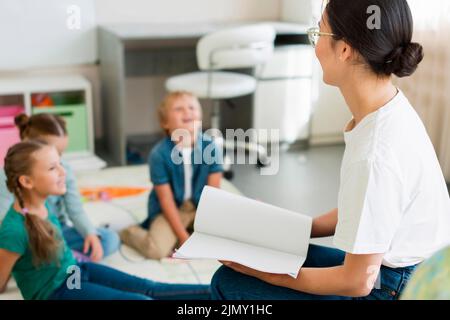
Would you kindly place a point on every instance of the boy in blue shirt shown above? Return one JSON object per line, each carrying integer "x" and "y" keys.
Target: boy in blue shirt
{"x": 180, "y": 166}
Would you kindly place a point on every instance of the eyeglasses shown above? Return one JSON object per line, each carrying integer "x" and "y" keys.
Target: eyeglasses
{"x": 314, "y": 34}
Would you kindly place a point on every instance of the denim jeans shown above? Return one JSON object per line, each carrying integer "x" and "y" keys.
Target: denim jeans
{"x": 99, "y": 282}
{"x": 230, "y": 285}
{"x": 109, "y": 239}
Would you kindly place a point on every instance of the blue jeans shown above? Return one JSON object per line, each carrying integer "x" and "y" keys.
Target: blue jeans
{"x": 230, "y": 285}
{"x": 99, "y": 282}
{"x": 110, "y": 240}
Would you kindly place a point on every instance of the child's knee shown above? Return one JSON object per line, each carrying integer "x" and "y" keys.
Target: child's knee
{"x": 154, "y": 251}
{"x": 148, "y": 244}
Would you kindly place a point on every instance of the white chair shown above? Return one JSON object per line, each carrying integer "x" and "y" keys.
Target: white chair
{"x": 235, "y": 48}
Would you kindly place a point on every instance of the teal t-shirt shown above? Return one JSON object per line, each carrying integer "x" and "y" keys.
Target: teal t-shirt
{"x": 35, "y": 283}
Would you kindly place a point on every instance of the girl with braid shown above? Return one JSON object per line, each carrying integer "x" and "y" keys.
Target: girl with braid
{"x": 33, "y": 250}
{"x": 78, "y": 231}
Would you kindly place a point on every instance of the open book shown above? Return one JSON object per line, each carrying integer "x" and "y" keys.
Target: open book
{"x": 257, "y": 235}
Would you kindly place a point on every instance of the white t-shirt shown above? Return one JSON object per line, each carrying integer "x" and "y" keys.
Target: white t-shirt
{"x": 187, "y": 164}
{"x": 393, "y": 197}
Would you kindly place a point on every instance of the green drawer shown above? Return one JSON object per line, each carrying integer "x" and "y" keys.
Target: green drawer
{"x": 77, "y": 124}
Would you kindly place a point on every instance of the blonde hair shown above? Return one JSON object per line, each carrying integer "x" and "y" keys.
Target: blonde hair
{"x": 168, "y": 101}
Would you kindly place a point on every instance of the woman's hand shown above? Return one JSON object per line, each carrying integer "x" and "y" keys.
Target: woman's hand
{"x": 92, "y": 242}
{"x": 325, "y": 225}
{"x": 355, "y": 278}
{"x": 271, "y": 278}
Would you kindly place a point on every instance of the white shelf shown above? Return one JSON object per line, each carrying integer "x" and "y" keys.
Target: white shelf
{"x": 26, "y": 85}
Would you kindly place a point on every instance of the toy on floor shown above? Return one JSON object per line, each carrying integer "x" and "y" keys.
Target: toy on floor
{"x": 80, "y": 257}
{"x": 108, "y": 193}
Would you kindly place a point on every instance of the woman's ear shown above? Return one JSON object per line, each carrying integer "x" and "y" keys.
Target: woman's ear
{"x": 26, "y": 182}
{"x": 345, "y": 51}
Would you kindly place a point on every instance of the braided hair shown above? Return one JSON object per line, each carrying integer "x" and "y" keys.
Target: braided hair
{"x": 44, "y": 241}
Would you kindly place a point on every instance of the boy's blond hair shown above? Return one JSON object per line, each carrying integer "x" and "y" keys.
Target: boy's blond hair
{"x": 168, "y": 100}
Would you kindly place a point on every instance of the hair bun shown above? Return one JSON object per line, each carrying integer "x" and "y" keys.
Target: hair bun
{"x": 22, "y": 121}
{"x": 404, "y": 60}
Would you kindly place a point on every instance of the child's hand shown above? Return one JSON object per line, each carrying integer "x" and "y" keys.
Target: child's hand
{"x": 182, "y": 238}
{"x": 2, "y": 290}
{"x": 92, "y": 242}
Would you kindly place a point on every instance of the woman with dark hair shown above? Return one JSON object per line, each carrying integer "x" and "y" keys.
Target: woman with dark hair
{"x": 393, "y": 206}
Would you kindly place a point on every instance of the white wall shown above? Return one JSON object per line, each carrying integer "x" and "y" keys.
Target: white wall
{"x": 162, "y": 11}
{"x": 330, "y": 112}
{"x": 144, "y": 93}
{"x": 297, "y": 11}
{"x": 47, "y": 33}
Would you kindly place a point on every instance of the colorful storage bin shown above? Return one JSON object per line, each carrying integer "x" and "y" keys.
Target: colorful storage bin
{"x": 9, "y": 134}
{"x": 77, "y": 124}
